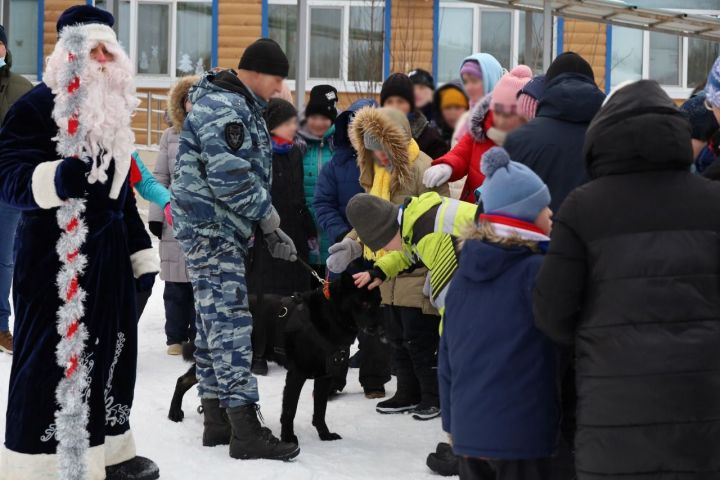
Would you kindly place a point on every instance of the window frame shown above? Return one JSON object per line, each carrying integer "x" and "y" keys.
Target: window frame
{"x": 515, "y": 28}
{"x": 162, "y": 81}
{"x": 682, "y": 90}
{"x": 341, "y": 84}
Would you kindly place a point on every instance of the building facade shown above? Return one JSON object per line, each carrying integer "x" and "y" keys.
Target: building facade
{"x": 355, "y": 44}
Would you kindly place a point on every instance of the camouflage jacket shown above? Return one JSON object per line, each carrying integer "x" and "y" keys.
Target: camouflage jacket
{"x": 221, "y": 184}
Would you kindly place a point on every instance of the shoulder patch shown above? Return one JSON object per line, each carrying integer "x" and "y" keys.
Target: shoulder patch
{"x": 234, "y": 135}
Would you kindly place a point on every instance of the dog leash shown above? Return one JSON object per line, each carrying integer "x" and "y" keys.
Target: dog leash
{"x": 312, "y": 271}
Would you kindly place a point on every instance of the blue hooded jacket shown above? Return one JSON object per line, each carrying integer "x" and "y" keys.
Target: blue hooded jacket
{"x": 340, "y": 178}
{"x": 552, "y": 143}
{"x": 496, "y": 370}
{"x": 491, "y": 69}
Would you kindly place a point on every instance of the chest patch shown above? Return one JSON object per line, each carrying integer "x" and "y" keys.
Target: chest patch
{"x": 234, "y": 135}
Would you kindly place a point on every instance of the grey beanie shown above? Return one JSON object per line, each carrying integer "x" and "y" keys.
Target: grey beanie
{"x": 372, "y": 142}
{"x": 375, "y": 220}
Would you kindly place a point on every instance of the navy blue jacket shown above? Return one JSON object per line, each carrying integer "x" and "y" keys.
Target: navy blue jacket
{"x": 552, "y": 143}
{"x": 340, "y": 178}
{"x": 496, "y": 369}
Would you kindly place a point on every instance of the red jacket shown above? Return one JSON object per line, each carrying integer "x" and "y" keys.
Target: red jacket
{"x": 464, "y": 158}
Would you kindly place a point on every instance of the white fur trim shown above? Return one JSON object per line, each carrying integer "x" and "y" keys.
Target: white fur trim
{"x": 144, "y": 261}
{"x": 25, "y": 466}
{"x": 119, "y": 448}
{"x": 43, "y": 185}
{"x": 98, "y": 32}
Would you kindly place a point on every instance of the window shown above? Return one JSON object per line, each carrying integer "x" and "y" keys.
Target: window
{"x": 665, "y": 58}
{"x": 455, "y": 42}
{"x": 512, "y": 37}
{"x": 530, "y": 40}
{"x": 627, "y": 54}
{"x": 346, "y": 39}
{"x": 165, "y": 38}
{"x": 23, "y": 36}
{"x": 701, "y": 55}
{"x": 325, "y": 42}
{"x": 677, "y": 63}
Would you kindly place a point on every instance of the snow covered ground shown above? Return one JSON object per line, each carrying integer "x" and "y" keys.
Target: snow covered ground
{"x": 373, "y": 447}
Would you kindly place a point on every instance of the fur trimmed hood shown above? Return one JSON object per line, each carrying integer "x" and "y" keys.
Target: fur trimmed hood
{"x": 175, "y": 104}
{"x": 478, "y": 116}
{"x": 392, "y": 128}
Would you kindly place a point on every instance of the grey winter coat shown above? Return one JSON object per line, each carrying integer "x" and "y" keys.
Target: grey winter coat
{"x": 172, "y": 259}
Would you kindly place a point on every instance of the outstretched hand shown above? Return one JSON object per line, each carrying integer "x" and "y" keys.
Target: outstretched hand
{"x": 365, "y": 278}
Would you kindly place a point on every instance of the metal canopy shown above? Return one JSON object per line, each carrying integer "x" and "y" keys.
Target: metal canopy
{"x": 621, "y": 13}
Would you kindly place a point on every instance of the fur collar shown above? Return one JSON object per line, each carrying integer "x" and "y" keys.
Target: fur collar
{"x": 395, "y": 140}
{"x": 176, "y": 104}
{"x": 478, "y": 115}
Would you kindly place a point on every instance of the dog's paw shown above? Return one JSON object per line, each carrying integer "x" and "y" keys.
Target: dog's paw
{"x": 329, "y": 437}
{"x": 176, "y": 415}
{"x": 289, "y": 438}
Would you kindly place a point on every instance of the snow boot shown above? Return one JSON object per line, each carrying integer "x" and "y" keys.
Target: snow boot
{"x": 252, "y": 441}
{"x": 400, "y": 403}
{"x": 138, "y": 468}
{"x": 259, "y": 366}
{"x": 217, "y": 425}
{"x": 444, "y": 462}
{"x": 425, "y": 411}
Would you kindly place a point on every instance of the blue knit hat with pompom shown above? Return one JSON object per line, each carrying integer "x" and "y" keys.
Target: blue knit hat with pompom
{"x": 511, "y": 188}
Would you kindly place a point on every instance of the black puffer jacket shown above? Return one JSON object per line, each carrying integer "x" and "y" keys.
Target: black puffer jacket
{"x": 633, "y": 279}
{"x": 552, "y": 143}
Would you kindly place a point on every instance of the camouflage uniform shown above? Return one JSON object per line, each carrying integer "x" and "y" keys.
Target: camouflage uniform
{"x": 221, "y": 191}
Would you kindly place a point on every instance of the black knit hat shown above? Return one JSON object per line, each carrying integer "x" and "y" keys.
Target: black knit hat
{"x": 265, "y": 56}
{"x": 398, "y": 85}
{"x": 82, "y": 15}
{"x": 278, "y": 111}
{"x": 569, "y": 62}
{"x": 3, "y": 35}
{"x": 422, "y": 77}
{"x": 322, "y": 102}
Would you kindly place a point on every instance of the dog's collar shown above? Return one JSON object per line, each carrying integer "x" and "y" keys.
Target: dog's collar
{"x": 326, "y": 290}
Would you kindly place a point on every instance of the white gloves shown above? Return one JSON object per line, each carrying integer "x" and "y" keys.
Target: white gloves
{"x": 342, "y": 253}
{"x": 437, "y": 175}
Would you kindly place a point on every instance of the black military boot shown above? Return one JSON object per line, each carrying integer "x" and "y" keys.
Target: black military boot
{"x": 217, "y": 425}
{"x": 252, "y": 441}
{"x": 138, "y": 468}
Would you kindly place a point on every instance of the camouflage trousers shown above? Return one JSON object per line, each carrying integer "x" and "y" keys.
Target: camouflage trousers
{"x": 224, "y": 324}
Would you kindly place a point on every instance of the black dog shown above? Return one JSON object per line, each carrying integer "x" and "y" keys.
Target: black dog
{"x": 313, "y": 332}
{"x": 322, "y": 325}
{"x": 265, "y": 312}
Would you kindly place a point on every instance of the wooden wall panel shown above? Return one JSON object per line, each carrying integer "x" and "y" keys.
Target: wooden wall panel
{"x": 239, "y": 24}
{"x": 53, "y": 9}
{"x": 589, "y": 40}
{"x": 412, "y": 35}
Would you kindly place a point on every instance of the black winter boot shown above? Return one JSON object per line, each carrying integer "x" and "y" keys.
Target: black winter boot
{"x": 444, "y": 462}
{"x": 259, "y": 366}
{"x": 252, "y": 441}
{"x": 217, "y": 425}
{"x": 138, "y": 468}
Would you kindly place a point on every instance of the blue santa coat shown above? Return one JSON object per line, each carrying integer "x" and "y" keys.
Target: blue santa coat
{"x": 496, "y": 369}
{"x": 339, "y": 179}
{"x": 115, "y": 231}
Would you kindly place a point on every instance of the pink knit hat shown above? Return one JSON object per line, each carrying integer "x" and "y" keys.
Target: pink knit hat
{"x": 504, "y": 96}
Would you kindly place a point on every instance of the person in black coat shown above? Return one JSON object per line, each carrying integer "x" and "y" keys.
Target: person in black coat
{"x": 632, "y": 279}
{"x": 551, "y": 144}
{"x": 268, "y": 275}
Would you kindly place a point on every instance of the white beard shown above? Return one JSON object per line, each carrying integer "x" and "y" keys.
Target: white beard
{"x": 105, "y": 111}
